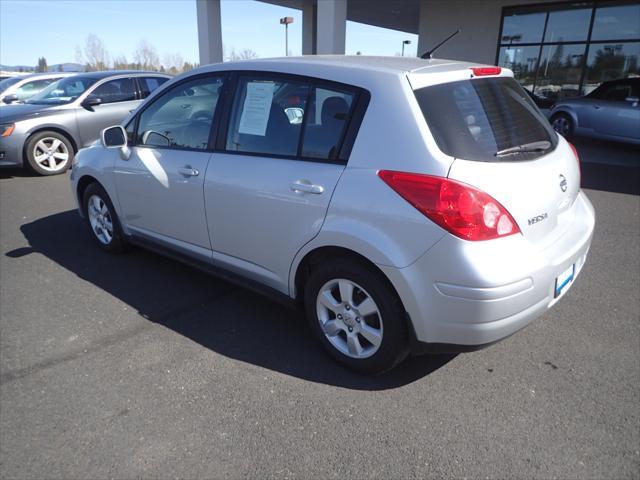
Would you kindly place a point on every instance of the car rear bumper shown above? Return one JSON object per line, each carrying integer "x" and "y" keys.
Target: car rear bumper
{"x": 466, "y": 294}
{"x": 11, "y": 150}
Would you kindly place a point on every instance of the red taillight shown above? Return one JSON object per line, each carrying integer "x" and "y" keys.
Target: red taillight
{"x": 484, "y": 71}
{"x": 575, "y": 153}
{"x": 460, "y": 209}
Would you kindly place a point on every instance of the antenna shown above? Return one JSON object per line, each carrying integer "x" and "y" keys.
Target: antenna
{"x": 428, "y": 53}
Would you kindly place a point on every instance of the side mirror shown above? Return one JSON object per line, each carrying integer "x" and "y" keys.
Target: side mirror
{"x": 633, "y": 100}
{"x": 156, "y": 139}
{"x": 9, "y": 98}
{"x": 91, "y": 101}
{"x": 114, "y": 137}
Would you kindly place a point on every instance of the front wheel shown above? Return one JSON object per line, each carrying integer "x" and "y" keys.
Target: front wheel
{"x": 49, "y": 153}
{"x": 563, "y": 124}
{"x": 357, "y": 316}
{"x": 102, "y": 219}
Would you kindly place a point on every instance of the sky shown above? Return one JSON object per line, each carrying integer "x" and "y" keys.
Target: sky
{"x": 54, "y": 29}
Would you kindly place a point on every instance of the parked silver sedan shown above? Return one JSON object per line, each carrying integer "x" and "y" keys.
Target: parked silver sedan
{"x": 610, "y": 112}
{"x": 47, "y": 130}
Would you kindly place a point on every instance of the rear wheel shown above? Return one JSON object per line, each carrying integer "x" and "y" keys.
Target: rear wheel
{"x": 563, "y": 124}
{"x": 102, "y": 219}
{"x": 49, "y": 153}
{"x": 357, "y": 316}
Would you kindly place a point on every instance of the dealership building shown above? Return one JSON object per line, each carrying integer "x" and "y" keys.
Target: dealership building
{"x": 556, "y": 49}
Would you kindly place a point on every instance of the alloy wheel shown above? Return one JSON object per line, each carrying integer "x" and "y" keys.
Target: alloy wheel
{"x": 561, "y": 125}
{"x": 51, "y": 154}
{"x": 100, "y": 219}
{"x": 349, "y": 318}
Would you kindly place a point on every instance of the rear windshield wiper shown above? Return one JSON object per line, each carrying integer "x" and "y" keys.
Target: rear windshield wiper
{"x": 538, "y": 146}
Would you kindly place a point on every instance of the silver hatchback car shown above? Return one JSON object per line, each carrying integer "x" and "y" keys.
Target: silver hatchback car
{"x": 407, "y": 205}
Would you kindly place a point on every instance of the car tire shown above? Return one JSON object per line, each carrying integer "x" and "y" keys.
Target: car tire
{"x": 102, "y": 220}
{"x": 368, "y": 331}
{"x": 49, "y": 153}
{"x": 563, "y": 124}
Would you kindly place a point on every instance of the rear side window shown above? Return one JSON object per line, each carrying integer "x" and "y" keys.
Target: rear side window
{"x": 267, "y": 116}
{"x": 326, "y": 122}
{"x": 119, "y": 90}
{"x": 475, "y": 119}
{"x": 149, "y": 84}
{"x": 288, "y": 117}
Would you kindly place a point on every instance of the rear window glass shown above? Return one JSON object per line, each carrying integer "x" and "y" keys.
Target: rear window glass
{"x": 479, "y": 118}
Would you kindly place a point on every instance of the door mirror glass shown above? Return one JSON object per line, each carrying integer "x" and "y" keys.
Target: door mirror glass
{"x": 155, "y": 139}
{"x": 10, "y": 98}
{"x": 91, "y": 101}
{"x": 114, "y": 137}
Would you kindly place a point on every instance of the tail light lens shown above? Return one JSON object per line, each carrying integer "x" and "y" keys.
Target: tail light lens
{"x": 575, "y": 153}
{"x": 461, "y": 209}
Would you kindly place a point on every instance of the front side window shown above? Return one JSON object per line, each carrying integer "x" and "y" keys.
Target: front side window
{"x": 267, "y": 116}
{"x": 149, "y": 84}
{"x": 615, "y": 92}
{"x": 182, "y": 116}
{"x": 478, "y": 119}
{"x": 119, "y": 90}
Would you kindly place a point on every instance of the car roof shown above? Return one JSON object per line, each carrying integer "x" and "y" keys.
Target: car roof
{"x": 356, "y": 62}
{"x": 113, "y": 73}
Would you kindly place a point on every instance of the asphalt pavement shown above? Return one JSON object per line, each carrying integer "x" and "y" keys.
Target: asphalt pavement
{"x": 137, "y": 366}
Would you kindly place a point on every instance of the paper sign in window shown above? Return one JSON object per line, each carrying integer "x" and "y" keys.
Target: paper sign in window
{"x": 256, "y": 108}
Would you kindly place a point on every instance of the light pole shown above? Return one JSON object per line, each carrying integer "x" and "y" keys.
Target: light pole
{"x": 286, "y": 21}
{"x": 405, "y": 42}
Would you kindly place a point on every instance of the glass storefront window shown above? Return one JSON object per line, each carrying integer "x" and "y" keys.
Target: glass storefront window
{"x": 609, "y": 61}
{"x": 556, "y": 51}
{"x": 560, "y": 71}
{"x": 523, "y": 62}
{"x": 568, "y": 25}
{"x": 525, "y": 28}
{"x": 621, "y": 22}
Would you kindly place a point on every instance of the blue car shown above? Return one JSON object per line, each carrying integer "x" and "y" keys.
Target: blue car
{"x": 610, "y": 112}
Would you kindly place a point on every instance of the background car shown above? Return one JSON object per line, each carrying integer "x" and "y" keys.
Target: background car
{"x": 610, "y": 112}
{"x": 47, "y": 130}
{"x": 16, "y": 89}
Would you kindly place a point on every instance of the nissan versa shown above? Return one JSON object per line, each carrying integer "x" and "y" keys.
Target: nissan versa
{"x": 408, "y": 205}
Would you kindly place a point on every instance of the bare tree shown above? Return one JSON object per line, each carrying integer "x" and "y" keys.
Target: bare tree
{"x": 95, "y": 53}
{"x": 120, "y": 63}
{"x": 146, "y": 56}
{"x": 173, "y": 62}
{"x": 247, "y": 54}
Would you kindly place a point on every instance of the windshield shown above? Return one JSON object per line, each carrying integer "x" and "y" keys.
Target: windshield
{"x": 65, "y": 90}
{"x": 486, "y": 119}
{"x": 7, "y": 82}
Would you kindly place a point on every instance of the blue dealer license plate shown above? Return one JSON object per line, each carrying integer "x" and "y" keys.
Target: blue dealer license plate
{"x": 563, "y": 281}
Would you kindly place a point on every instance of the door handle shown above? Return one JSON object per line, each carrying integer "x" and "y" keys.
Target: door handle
{"x": 187, "y": 171}
{"x": 597, "y": 107}
{"x": 307, "y": 187}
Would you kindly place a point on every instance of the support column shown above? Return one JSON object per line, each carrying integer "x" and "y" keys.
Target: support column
{"x": 423, "y": 41}
{"x": 332, "y": 26}
{"x": 209, "y": 31}
{"x": 309, "y": 22}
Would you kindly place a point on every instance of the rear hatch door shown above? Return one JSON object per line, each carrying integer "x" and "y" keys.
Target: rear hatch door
{"x": 503, "y": 145}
